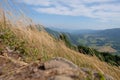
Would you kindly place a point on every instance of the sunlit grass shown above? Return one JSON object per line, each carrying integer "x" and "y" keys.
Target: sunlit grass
{"x": 36, "y": 45}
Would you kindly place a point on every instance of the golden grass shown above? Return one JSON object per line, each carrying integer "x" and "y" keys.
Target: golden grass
{"x": 48, "y": 48}
{"x": 40, "y": 45}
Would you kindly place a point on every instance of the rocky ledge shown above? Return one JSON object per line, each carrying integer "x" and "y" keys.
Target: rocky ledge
{"x": 54, "y": 69}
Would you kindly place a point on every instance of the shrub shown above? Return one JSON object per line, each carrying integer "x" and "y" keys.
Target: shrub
{"x": 103, "y": 56}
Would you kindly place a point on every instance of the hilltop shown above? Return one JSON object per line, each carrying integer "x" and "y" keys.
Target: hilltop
{"x": 26, "y": 45}
{"x": 31, "y": 53}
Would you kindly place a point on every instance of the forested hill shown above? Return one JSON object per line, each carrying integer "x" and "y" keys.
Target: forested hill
{"x": 104, "y": 40}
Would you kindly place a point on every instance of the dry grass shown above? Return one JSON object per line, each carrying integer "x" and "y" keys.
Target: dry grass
{"x": 47, "y": 47}
{"x": 40, "y": 45}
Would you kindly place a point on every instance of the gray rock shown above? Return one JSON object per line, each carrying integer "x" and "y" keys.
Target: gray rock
{"x": 62, "y": 71}
{"x": 55, "y": 69}
{"x": 59, "y": 63}
{"x": 60, "y": 78}
{"x": 61, "y": 66}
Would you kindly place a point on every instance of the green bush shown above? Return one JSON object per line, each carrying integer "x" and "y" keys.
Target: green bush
{"x": 104, "y": 56}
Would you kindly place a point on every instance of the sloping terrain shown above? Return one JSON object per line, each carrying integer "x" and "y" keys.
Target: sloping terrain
{"x": 31, "y": 45}
{"x": 23, "y": 49}
{"x": 95, "y": 38}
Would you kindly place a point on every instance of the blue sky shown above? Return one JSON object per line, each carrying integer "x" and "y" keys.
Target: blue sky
{"x": 73, "y": 14}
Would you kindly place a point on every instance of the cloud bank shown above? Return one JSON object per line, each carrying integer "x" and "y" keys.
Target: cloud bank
{"x": 98, "y": 9}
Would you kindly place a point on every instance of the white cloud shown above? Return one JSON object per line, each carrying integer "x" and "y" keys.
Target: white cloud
{"x": 96, "y": 1}
{"x": 101, "y": 9}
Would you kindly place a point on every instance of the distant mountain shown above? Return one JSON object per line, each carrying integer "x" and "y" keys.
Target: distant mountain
{"x": 53, "y": 32}
{"x": 108, "y": 39}
{"x": 103, "y": 40}
{"x": 82, "y": 31}
{"x": 113, "y": 34}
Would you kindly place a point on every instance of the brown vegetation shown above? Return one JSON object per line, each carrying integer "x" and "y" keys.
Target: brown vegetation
{"x": 40, "y": 46}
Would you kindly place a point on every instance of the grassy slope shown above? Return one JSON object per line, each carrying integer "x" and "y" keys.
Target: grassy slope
{"x": 36, "y": 45}
{"x": 40, "y": 45}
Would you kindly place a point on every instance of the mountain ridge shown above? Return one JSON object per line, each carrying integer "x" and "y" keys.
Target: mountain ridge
{"x": 96, "y": 38}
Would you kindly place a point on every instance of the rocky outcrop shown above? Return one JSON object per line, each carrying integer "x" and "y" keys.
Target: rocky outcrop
{"x": 12, "y": 67}
{"x": 54, "y": 69}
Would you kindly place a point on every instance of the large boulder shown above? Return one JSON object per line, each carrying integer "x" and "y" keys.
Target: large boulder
{"x": 54, "y": 69}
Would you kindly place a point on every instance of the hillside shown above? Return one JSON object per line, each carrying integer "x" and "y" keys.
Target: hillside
{"x": 102, "y": 40}
{"x": 27, "y": 53}
{"x": 32, "y": 45}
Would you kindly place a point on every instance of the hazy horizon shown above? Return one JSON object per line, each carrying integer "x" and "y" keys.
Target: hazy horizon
{"x": 77, "y": 29}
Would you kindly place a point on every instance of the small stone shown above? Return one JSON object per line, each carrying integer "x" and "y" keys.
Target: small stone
{"x": 9, "y": 50}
